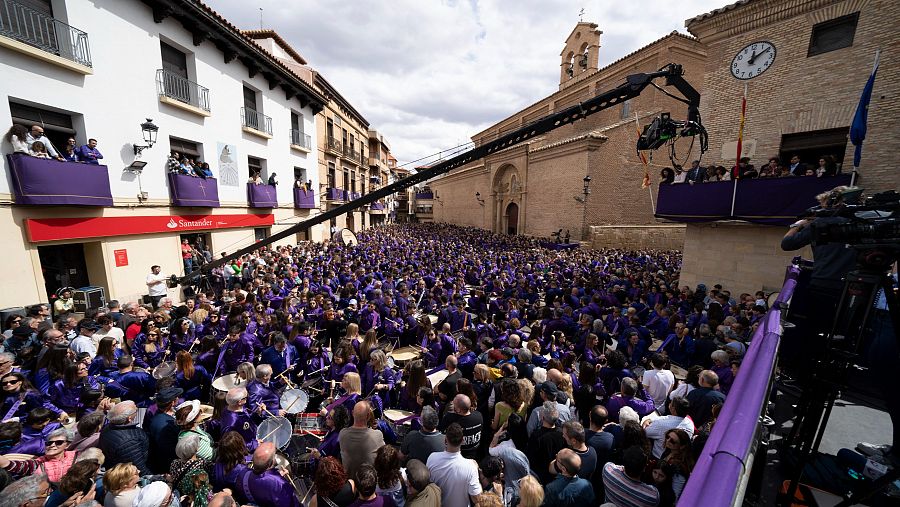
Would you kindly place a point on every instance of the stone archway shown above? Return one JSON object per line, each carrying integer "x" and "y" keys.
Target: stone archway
{"x": 512, "y": 219}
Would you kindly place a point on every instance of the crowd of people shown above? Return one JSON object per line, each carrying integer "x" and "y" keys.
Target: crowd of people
{"x": 774, "y": 168}
{"x": 179, "y": 164}
{"x": 33, "y": 142}
{"x": 441, "y": 365}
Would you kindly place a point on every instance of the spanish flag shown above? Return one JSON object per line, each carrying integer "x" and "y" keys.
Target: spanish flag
{"x": 740, "y": 141}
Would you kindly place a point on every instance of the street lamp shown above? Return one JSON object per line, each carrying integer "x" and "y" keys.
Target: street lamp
{"x": 149, "y": 131}
{"x": 586, "y": 191}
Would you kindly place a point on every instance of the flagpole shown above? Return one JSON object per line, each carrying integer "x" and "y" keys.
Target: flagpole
{"x": 737, "y": 160}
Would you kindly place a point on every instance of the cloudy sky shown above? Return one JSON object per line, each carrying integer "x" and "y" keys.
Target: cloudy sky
{"x": 428, "y": 74}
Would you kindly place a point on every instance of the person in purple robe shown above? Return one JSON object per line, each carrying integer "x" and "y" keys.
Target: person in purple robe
{"x": 335, "y": 420}
{"x": 130, "y": 385}
{"x": 182, "y": 336}
{"x": 262, "y": 399}
{"x": 316, "y": 362}
{"x": 264, "y": 484}
{"x": 341, "y": 364}
{"x": 377, "y": 378}
{"x": 236, "y": 418}
{"x": 369, "y": 318}
{"x": 234, "y": 352}
{"x": 65, "y": 393}
{"x": 20, "y": 398}
{"x": 149, "y": 349}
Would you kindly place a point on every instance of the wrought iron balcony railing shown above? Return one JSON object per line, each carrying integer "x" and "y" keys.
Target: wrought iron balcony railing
{"x": 298, "y": 138}
{"x": 171, "y": 85}
{"x": 35, "y": 28}
{"x": 256, "y": 120}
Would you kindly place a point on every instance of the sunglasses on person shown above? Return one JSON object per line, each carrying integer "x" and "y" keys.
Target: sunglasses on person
{"x": 9, "y": 382}
{"x": 56, "y": 442}
{"x": 152, "y": 334}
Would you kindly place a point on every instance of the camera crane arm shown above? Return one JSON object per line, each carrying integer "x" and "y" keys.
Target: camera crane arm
{"x": 633, "y": 87}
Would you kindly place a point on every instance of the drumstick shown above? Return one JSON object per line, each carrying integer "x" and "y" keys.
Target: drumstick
{"x": 304, "y": 430}
{"x": 263, "y": 439}
{"x": 195, "y": 342}
{"x": 287, "y": 409}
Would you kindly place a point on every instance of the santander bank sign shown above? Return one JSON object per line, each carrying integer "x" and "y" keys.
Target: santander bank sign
{"x": 55, "y": 229}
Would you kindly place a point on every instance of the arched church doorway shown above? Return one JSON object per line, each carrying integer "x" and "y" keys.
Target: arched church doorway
{"x": 512, "y": 219}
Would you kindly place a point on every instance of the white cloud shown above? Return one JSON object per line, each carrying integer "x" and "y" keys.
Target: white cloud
{"x": 428, "y": 74}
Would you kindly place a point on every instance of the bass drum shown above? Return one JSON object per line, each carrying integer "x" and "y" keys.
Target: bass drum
{"x": 345, "y": 237}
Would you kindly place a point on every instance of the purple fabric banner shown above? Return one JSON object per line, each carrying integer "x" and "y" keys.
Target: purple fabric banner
{"x": 717, "y": 474}
{"x": 769, "y": 201}
{"x": 558, "y": 246}
{"x": 377, "y": 206}
{"x": 424, "y": 195}
{"x": 261, "y": 196}
{"x": 40, "y": 181}
{"x": 304, "y": 199}
{"x": 354, "y": 196}
{"x": 335, "y": 194}
{"x": 192, "y": 191}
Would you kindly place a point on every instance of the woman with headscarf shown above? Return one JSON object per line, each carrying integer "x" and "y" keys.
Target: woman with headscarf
{"x": 188, "y": 473}
{"x": 189, "y": 416}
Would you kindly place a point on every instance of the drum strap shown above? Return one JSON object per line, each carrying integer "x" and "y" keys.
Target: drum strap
{"x": 15, "y": 407}
{"x": 245, "y": 482}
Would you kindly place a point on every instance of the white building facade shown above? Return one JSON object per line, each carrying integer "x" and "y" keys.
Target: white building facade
{"x": 215, "y": 95}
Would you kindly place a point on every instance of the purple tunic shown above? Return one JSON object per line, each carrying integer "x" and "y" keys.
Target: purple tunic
{"x": 241, "y": 423}
{"x": 268, "y": 489}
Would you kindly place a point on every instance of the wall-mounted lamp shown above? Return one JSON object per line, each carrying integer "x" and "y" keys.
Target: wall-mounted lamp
{"x": 149, "y": 131}
{"x": 136, "y": 167}
{"x": 478, "y": 198}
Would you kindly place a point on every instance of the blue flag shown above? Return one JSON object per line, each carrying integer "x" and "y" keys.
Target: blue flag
{"x": 861, "y": 118}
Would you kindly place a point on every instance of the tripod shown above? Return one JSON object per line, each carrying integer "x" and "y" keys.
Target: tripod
{"x": 829, "y": 373}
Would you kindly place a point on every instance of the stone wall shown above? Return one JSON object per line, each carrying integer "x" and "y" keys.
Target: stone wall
{"x": 638, "y": 237}
{"x": 742, "y": 257}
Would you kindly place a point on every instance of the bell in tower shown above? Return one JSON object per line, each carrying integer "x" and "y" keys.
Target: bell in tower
{"x": 581, "y": 55}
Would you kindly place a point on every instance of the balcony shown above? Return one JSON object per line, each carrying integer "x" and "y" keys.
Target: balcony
{"x": 256, "y": 123}
{"x": 333, "y": 145}
{"x": 352, "y": 196}
{"x": 300, "y": 141}
{"x": 768, "y": 201}
{"x": 182, "y": 93}
{"x": 43, "y": 37}
{"x": 424, "y": 195}
{"x": 261, "y": 196}
{"x": 304, "y": 199}
{"x": 377, "y": 208}
{"x": 352, "y": 155}
{"x": 335, "y": 194}
{"x": 192, "y": 191}
{"x": 39, "y": 181}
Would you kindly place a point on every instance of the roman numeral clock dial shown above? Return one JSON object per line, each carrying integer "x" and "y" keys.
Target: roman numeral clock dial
{"x": 753, "y": 60}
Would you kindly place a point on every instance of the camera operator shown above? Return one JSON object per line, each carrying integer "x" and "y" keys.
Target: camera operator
{"x": 832, "y": 262}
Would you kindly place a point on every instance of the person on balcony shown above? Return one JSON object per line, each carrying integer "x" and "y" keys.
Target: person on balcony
{"x": 70, "y": 152}
{"x": 39, "y": 150}
{"x": 204, "y": 171}
{"x": 89, "y": 154}
{"x": 695, "y": 174}
{"x": 272, "y": 181}
{"x": 255, "y": 178}
{"x": 17, "y": 136}
{"x": 173, "y": 163}
{"x": 37, "y": 134}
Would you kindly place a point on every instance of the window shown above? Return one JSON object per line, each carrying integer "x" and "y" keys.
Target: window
{"x": 261, "y": 233}
{"x": 300, "y": 174}
{"x": 811, "y": 146}
{"x": 332, "y": 175}
{"x": 186, "y": 148}
{"x": 58, "y": 125}
{"x": 833, "y": 34}
{"x": 250, "y": 98}
{"x": 353, "y": 181}
{"x": 329, "y": 128}
{"x": 626, "y": 109}
{"x": 174, "y": 61}
{"x": 344, "y": 136}
{"x": 256, "y": 166}
{"x": 346, "y": 184}
{"x": 297, "y": 122}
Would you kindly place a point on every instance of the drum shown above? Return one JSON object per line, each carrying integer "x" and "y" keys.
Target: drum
{"x": 655, "y": 345}
{"x": 309, "y": 422}
{"x": 345, "y": 236}
{"x": 438, "y": 377}
{"x": 405, "y": 354}
{"x": 679, "y": 372}
{"x": 277, "y": 430}
{"x": 226, "y": 382}
{"x": 294, "y": 401}
{"x": 400, "y": 421}
{"x": 433, "y": 319}
{"x": 302, "y": 462}
{"x": 164, "y": 369}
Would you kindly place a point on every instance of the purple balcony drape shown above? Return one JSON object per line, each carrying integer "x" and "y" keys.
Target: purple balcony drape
{"x": 38, "y": 181}
{"x": 304, "y": 199}
{"x": 191, "y": 191}
{"x": 377, "y": 206}
{"x": 261, "y": 196}
{"x": 336, "y": 194}
{"x": 769, "y": 201}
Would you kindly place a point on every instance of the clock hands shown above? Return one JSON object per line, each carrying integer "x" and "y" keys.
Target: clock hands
{"x": 755, "y": 56}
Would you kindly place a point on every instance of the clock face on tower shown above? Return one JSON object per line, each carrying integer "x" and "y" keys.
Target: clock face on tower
{"x": 753, "y": 60}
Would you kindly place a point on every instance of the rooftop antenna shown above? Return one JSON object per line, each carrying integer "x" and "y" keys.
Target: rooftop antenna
{"x": 580, "y": 15}
{"x": 261, "y": 19}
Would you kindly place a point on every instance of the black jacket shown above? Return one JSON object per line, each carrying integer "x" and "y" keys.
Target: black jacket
{"x": 125, "y": 444}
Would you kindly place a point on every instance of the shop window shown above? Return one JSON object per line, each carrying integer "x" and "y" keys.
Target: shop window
{"x": 833, "y": 34}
